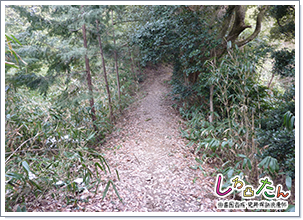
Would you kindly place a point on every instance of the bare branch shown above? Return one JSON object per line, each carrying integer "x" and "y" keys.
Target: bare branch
{"x": 118, "y": 22}
{"x": 257, "y": 29}
{"x": 72, "y": 30}
{"x": 284, "y": 32}
{"x": 20, "y": 147}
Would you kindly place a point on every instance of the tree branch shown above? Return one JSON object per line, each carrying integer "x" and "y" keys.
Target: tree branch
{"x": 20, "y": 147}
{"x": 284, "y": 32}
{"x": 71, "y": 30}
{"x": 118, "y": 22}
{"x": 257, "y": 29}
{"x": 239, "y": 25}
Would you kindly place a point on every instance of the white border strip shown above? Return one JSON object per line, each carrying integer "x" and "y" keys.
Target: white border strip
{"x": 79, "y": 214}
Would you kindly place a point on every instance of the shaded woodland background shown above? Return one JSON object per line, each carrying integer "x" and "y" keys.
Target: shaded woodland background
{"x": 71, "y": 71}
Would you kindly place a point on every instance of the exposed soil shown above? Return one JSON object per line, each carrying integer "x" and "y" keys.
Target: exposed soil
{"x": 154, "y": 163}
{"x": 152, "y": 159}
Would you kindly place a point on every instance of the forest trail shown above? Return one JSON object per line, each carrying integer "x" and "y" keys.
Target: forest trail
{"x": 152, "y": 159}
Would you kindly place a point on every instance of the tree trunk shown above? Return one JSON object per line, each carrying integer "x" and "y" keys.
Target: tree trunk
{"x": 131, "y": 59}
{"x": 89, "y": 81}
{"x": 116, "y": 61}
{"x": 211, "y": 104}
{"x": 257, "y": 29}
{"x": 270, "y": 81}
{"x": 140, "y": 70}
{"x": 236, "y": 20}
{"x": 105, "y": 75}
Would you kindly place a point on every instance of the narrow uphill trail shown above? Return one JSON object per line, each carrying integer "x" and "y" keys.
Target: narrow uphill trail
{"x": 152, "y": 159}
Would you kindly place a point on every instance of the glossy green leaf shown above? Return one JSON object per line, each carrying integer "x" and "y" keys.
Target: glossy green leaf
{"x": 291, "y": 208}
{"x": 288, "y": 182}
{"x": 118, "y": 175}
{"x": 249, "y": 163}
{"x": 244, "y": 163}
{"x": 26, "y": 166}
{"x": 106, "y": 189}
{"x": 16, "y": 40}
{"x": 116, "y": 191}
{"x": 199, "y": 161}
{"x": 10, "y": 64}
{"x": 18, "y": 209}
{"x": 230, "y": 173}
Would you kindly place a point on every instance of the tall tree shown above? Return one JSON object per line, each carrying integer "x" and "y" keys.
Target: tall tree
{"x": 115, "y": 53}
{"x": 194, "y": 33}
{"x": 131, "y": 59}
{"x": 89, "y": 81}
{"x": 104, "y": 73}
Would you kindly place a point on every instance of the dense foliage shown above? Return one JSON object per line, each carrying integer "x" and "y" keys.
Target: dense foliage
{"x": 71, "y": 69}
{"x": 233, "y": 114}
{"x": 50, "y": 135}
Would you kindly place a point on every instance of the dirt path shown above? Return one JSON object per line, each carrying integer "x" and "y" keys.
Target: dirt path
{"x": 153, "y": 160}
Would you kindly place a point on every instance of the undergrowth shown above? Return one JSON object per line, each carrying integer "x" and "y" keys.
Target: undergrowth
{"x": 242, "y": 125}
{"x": 51, "y": 145}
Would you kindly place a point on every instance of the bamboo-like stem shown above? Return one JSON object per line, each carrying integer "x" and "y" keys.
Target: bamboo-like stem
{"x": 6, "y": 161}
{"x": 105, "y": 74}
{"x": 89, "y": 81}
{"x": 116, "y": 60}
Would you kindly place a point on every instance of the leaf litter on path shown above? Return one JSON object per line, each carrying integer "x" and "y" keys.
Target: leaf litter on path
{"x": 153, "y": 161}
{"x": 154, "y": 164}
